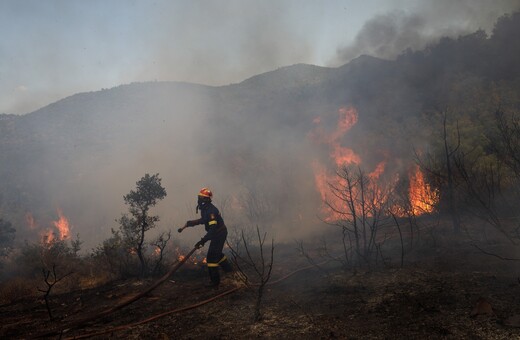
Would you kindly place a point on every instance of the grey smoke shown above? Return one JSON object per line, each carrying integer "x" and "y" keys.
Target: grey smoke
{"x": 388, "y": 35}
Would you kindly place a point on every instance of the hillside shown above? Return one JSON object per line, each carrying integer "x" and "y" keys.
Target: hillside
{"x": 82, "y": 153}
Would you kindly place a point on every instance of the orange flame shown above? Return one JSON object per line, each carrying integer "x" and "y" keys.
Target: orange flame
{"x": 340, "y": 155}
{"x": 195, "y": 259}
{"x": 49, "y": 234}
{"x": 378, "y": 171}
{"x": 422, "y": 197}
{"x": 62, "y": 224}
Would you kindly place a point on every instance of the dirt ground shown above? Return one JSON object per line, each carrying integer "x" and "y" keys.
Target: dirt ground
{"x": 434, "y": 296}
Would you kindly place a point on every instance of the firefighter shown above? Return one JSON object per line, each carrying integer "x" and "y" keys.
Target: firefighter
{"x": 216, "y": 233}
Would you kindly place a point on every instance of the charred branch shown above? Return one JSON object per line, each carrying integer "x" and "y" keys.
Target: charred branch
{"x": 259, "y": 265}
{"x": 495, "y": 255}
{"x": 50, "y": 282}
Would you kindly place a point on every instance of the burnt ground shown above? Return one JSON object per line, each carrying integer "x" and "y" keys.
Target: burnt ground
{"x": 433, "y": 296}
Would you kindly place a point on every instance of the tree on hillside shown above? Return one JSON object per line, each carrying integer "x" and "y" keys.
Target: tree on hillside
{"x": 134, "y": 226}
{"x": 492, "y": 182}
{"x": 506, "y": 47}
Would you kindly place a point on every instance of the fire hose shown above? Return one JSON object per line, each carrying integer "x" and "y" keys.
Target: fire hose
{"x": 155, "y": 317}
{"x": 183, "y": 309}
{"x": 123, "y": 303}
{"x": 130, "y": 299}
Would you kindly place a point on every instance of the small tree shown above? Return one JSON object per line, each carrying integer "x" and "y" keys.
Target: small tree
{"x": 134, "y": 226}
{"x": 258, "y": 264}
{"x": 362, "y": 206}
{"x": 160, "y": 245}
{"x": 50, "y": 284}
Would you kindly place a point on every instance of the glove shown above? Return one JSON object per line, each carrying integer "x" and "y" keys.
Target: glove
{"x": 184, "y": 227}
{"x": 200, "y": 244}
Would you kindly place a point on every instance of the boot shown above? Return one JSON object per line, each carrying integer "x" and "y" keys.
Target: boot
{"x": 214, "y": 276}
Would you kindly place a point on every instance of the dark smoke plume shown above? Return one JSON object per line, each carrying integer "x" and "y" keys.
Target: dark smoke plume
{"x": 388, "y": 35}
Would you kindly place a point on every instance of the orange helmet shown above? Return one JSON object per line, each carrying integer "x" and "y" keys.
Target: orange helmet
{"x": 205, "y": 192}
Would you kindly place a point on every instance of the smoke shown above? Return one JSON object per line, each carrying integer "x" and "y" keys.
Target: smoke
{"x": 388, "y": 35}
{"x": 93, "y": 147}
{"x": 217, "y": 43}
{"x": 78, "y": 47}
{"x": 249, "y": 147}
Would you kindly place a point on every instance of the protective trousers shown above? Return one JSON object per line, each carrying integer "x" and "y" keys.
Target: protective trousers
{"x": 216, "y": 258}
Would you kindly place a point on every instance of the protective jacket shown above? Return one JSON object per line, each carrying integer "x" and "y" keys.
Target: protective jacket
{"x": 212, "y": 220}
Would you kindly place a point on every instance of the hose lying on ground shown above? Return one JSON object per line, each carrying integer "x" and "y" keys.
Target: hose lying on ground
{"x": 155, "y": 317}
{"x": 182, "y": 309}
{"x": 123, "y": 303}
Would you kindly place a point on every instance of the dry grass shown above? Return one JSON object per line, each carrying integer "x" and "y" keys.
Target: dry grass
{"x": 16, "y": 289}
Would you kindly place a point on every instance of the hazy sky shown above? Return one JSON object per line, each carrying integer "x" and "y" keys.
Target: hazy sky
{"x": 55, "y": 48}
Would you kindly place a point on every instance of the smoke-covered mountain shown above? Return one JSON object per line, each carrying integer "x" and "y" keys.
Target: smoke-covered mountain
{"x": 254, "y": 143}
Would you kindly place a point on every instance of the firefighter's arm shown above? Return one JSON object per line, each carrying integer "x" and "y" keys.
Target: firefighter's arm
{"x": 190, "y": 224}
{"x": 213, "y": 226}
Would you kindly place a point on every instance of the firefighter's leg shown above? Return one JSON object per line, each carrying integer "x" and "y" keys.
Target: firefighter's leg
{"x": 214, "y": 256}
{"x": 214, "y": 276}
{"x": 226, "y": 264}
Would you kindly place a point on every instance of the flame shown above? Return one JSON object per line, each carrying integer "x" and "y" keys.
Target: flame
{"x": 59, "y": 230}
{"x": 422, "y": 197}
{"x": 375, "y": 186}
{"x": 378, "y": 171}
{"x": 62, "y": 224}
{"x": 328, "y": 186}
{"x": 344, "y": 156}
{"x": 323, "y": 182}
{"x": 195, "y": 259}
{"x": 340, "y": 155}
{"x": 47, "y": 236}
